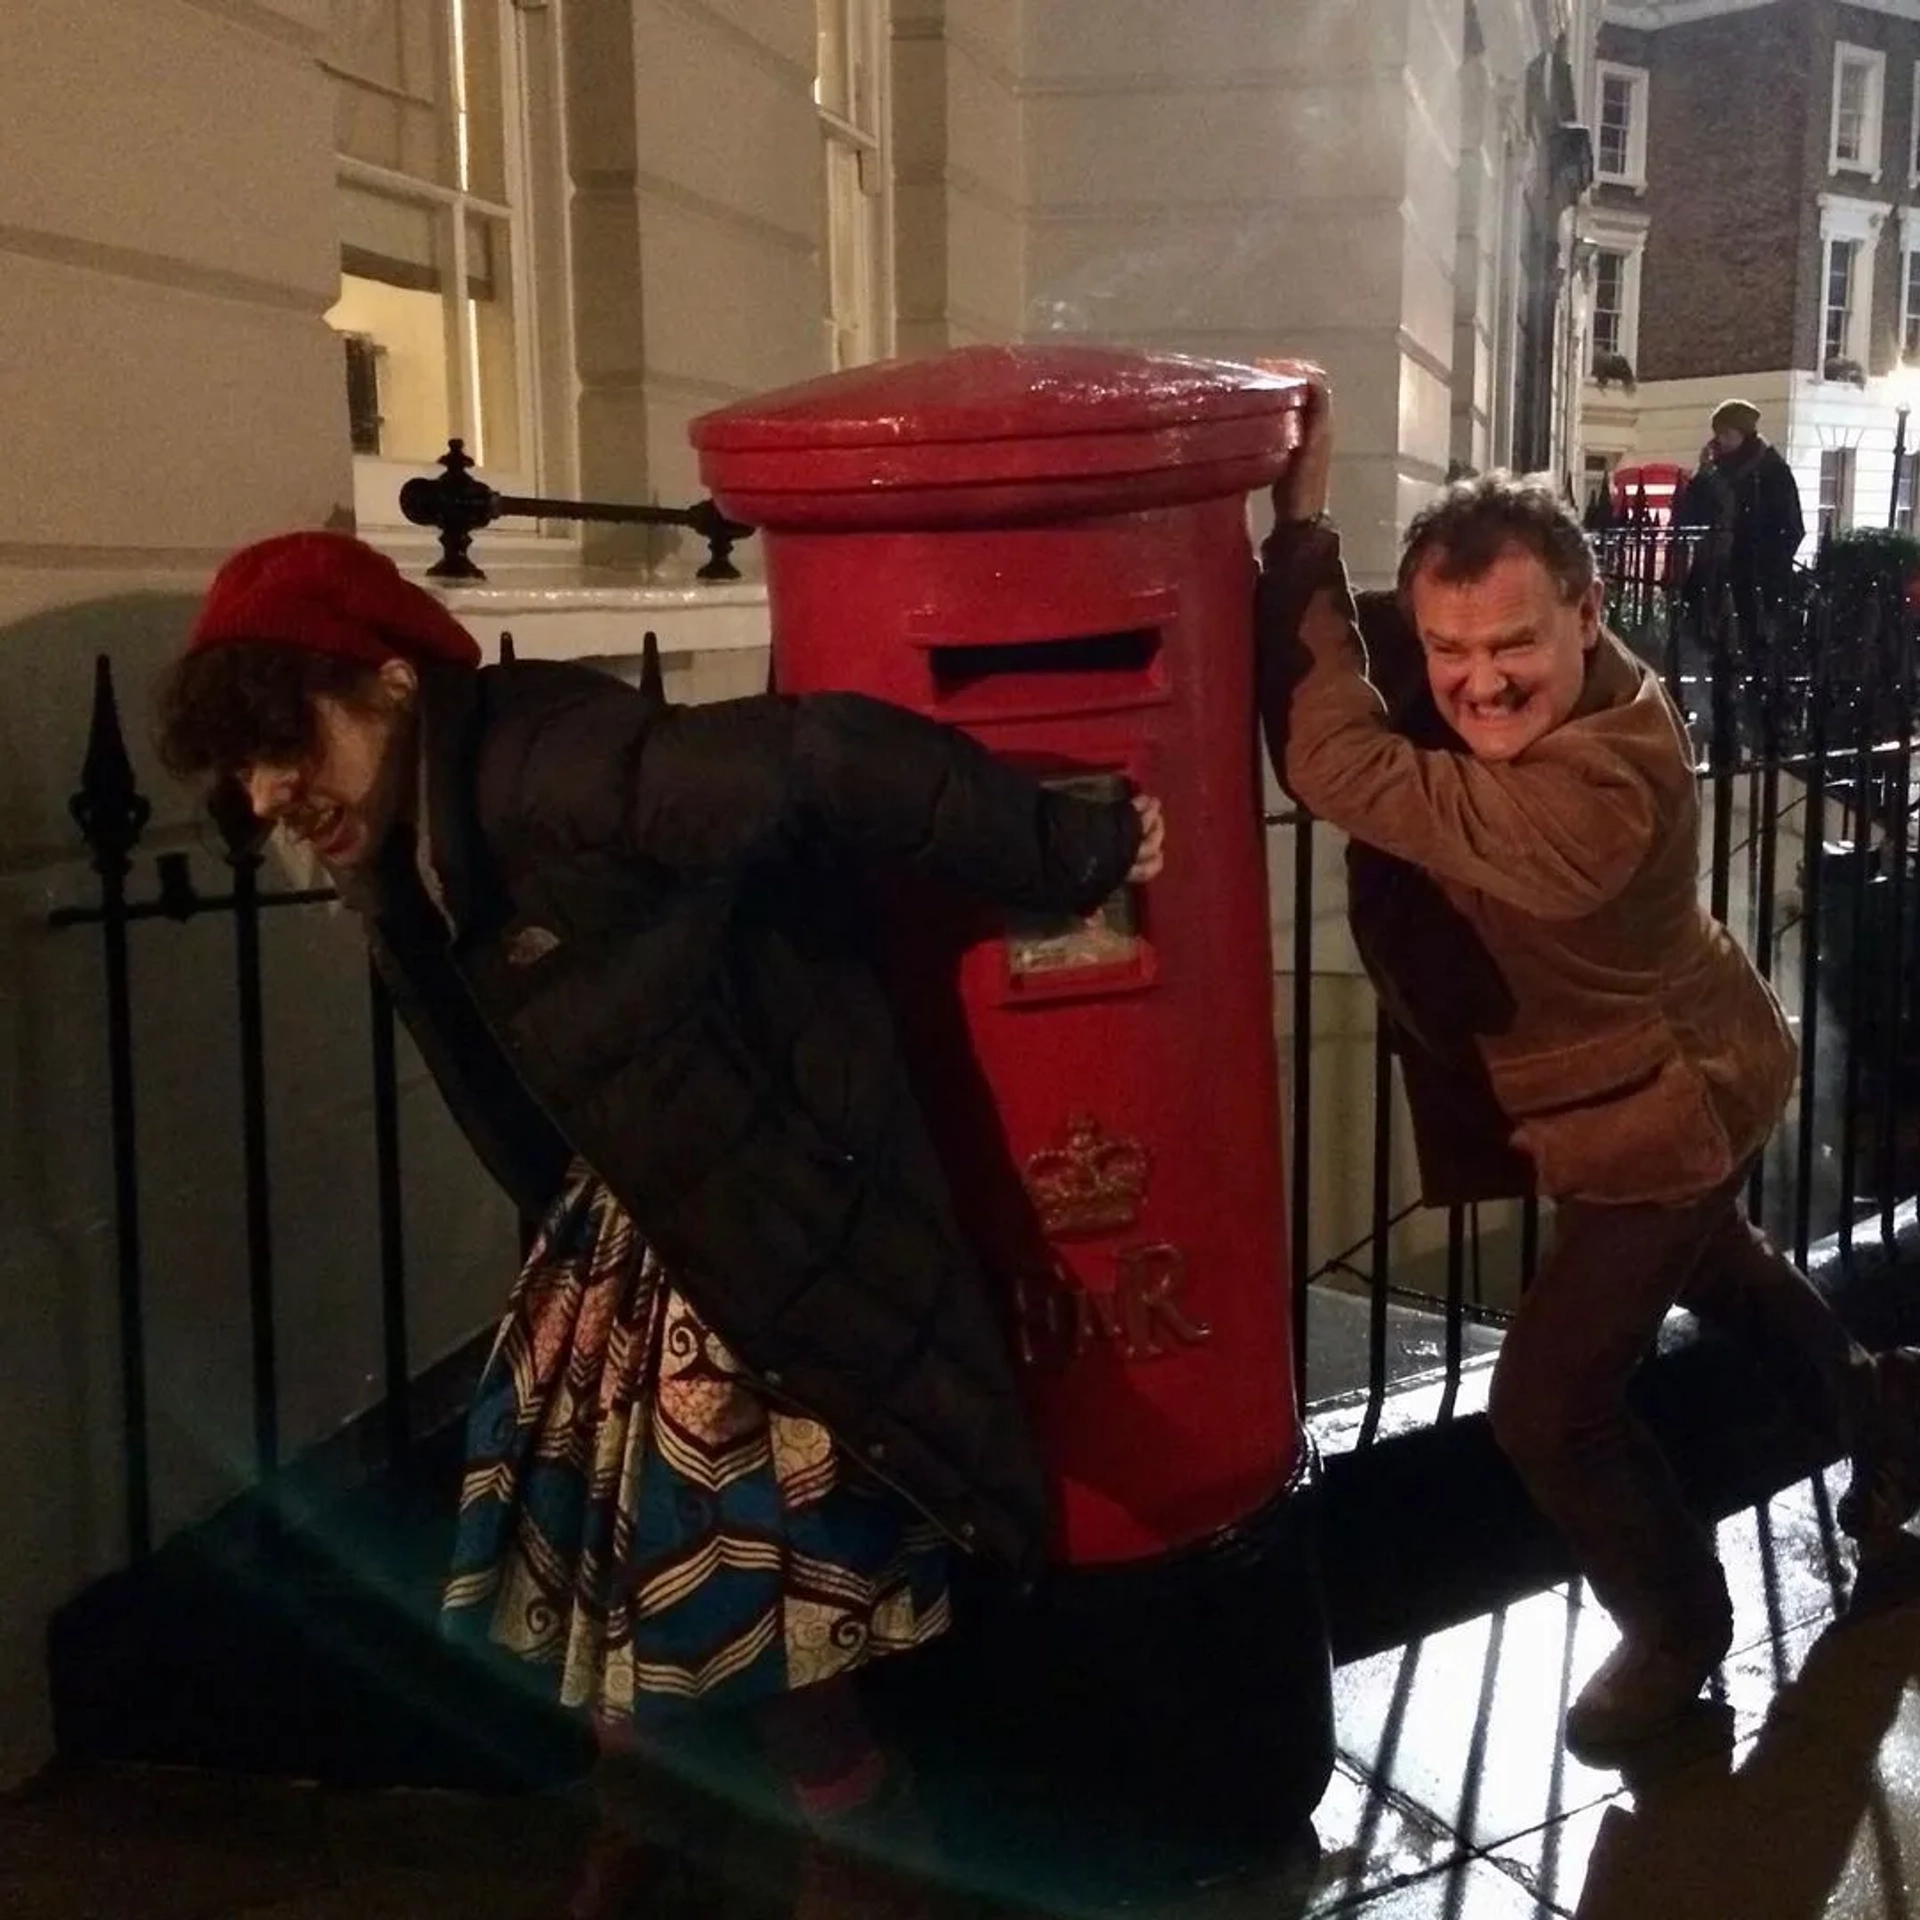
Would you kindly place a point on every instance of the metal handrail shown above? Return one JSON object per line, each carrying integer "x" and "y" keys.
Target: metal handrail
{"x": 457, "y": 505}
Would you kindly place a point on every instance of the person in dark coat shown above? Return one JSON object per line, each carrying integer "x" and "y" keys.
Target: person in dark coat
{"x": 1766, "y": 525}
{"x": 1703, "y": 515}
{"x": 752, "y": 1384}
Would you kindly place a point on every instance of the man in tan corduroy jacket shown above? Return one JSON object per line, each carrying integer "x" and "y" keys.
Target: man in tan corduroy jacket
{"x": 1523, "y": 889}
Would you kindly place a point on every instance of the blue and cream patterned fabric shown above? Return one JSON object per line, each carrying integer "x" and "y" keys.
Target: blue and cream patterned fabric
{"x": 638, "y": 1515}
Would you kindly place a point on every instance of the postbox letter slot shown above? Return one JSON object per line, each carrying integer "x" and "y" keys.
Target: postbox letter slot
{"x": 999, "y": 679}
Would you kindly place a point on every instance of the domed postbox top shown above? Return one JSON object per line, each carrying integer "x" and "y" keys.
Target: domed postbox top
{"x": 998, "y": 393}
{"x": 999, "y": 433}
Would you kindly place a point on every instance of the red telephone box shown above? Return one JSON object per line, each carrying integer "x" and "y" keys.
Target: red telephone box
{"x": 1648, "y": 489}
{"x": 1048, "y": 546}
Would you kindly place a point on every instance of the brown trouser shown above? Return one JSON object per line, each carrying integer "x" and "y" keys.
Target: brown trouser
{"x": 1558, "y": 1404}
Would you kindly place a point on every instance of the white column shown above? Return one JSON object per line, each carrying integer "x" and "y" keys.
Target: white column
{"x": 1245, "y": 180}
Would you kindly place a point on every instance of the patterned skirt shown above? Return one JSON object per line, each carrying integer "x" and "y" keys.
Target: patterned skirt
{"x": 639, "y": 1518}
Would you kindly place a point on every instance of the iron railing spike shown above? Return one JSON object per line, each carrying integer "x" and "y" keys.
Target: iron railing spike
{"x": 109, "y": 809}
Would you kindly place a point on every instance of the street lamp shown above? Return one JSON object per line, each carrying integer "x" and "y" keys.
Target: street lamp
{"x": 1905, "y": 382}
{"x": 1899, "y": 461}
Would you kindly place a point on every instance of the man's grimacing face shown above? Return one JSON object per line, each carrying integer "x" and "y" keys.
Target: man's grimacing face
{"x": 1506, "y": 653}
{"x": 341, "y": 799}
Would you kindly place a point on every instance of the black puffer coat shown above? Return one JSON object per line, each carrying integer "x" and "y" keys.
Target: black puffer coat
{"x": 650, "y": 948}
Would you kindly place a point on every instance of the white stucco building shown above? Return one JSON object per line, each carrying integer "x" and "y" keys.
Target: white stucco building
{"x": 258, "y": 258}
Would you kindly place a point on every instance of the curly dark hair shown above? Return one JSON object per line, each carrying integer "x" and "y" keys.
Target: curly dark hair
{"x": 1476, "y": 520}
{"x": 229, "y": 707}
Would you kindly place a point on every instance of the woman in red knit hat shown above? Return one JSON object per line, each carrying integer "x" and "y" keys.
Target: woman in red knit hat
{"x": 751, "y": 1385}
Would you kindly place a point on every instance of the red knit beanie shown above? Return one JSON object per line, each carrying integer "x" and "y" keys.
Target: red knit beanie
{"x": 327, "y": 593}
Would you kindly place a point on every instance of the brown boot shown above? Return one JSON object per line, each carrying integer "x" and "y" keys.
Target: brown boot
{"x": 1641, "y": 1689}
{"x": 1650, "y": 1680}
{"x": 1883, "y": 1493}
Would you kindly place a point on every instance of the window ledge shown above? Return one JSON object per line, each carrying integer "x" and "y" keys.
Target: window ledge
{"x": 1851, "y": 170}
{"x": 1621, "y": 182}
{"x": 600, "y": 616}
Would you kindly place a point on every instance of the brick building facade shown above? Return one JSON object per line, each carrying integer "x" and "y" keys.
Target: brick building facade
{"x": 1755, "y": 228}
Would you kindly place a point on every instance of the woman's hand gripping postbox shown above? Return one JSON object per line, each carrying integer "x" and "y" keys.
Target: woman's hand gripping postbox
{"x": 1152, "y": 855}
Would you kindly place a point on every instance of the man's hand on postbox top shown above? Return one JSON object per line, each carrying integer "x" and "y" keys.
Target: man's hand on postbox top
{"x": 1300, "y": 494}
{"x": 1152, "y": 854}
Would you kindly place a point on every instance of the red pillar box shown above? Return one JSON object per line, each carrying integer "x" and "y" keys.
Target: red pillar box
{"x": 1048, "y": 547}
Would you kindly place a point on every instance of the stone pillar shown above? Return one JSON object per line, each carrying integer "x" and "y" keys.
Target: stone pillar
{"x": 697, "y": 203}
{"x": 959, "y": 173}
{"x": 1476, "y": 267}
{"x": 1247, "y": 180}
{"x": 168, "y": 246}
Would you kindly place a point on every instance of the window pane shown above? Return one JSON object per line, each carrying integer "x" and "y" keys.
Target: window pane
{"x": 1616, "y": 124}
{"x": 385, "y": 238}
{"x": 833, "y": 84}
{"x": 851, "y": 43}
{"x": 865, "y": 49}
{"x": 494, "y": 373}
{"x": 1839, "y": 300}
{"x": 364, "y": 419}
{"x": 483, "y": 123}
{"x": 395, "y": 268}
{"x": 1609, "y": 301}
{"x": 850, "y": 289}
{"x": 393, "y": 97}
{"x": 1836, "y": 489}
{"x": 850, "y": 86}
{"x": 1851, "y": 133}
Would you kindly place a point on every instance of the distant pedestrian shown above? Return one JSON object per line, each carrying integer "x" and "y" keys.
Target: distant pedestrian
{"x": 1767, "y": 524}
{"x": 1703, "y": 519}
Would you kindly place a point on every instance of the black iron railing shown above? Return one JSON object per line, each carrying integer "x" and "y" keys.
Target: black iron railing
{"x": 112, "y": 815}
{"x": 458, "y": 504}
{"x": 1806, "y": 734}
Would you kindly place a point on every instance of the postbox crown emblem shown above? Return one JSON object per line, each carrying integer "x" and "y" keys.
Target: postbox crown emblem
{"x": 1089, "y": 1183}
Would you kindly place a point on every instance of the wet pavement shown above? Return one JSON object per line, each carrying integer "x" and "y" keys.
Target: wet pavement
{"x": 1794, "y": 1792}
